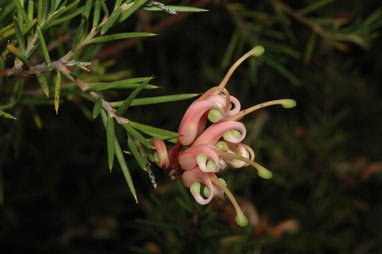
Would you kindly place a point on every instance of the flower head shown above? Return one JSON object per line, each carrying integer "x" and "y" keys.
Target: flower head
{"x": 208, "y": 150}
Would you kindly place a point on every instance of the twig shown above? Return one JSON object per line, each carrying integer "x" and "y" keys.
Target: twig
{"x": 161, "y": 6}
{"x": 39, "y": 68}
{"x": 105, "y": 104}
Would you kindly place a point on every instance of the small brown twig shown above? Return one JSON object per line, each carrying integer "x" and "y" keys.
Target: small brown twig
{"x": 105, "y": 104}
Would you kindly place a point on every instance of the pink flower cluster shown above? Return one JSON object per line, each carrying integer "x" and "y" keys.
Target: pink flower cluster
{"x": 210, "y": 150}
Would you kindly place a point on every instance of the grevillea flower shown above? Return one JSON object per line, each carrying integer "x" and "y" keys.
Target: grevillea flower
{"x": 207, "y": 151}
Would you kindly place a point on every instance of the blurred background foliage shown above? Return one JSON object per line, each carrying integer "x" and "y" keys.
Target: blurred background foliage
{"x": 57, "y": 194}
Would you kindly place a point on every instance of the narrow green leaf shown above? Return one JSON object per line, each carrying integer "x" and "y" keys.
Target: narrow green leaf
{"x": 97, "y": 107}
{"x": 231, "y": 47}
{"x": 280, "y": 48}
{"x": 22, "y": 11}
{"x": 282, "y": 70}
{"x": 43, "y": 83}
{"x": 5, "y": 29}
{"x": 134, "y": 150}
{"x": 67, "y": 17}
{"x": 110, "y": 135}
{"x": 158, "y": 99}
{"x": 29, "y": 26}
{"x": 117, "y": 4}
{"x": 121, "y": 160}
{"x": 149, "y": 129}
{"x": 136, "y": 5}
{"x": 52, "y": 5}
{"x": 6, "y": 10}
{"x": 30, "y": 9}
{"x": 43, "y": 46}
{"x": 79, "y": 33}
{"x": 57, "y": 3}
{"x": 96, "y": 13}
{"x": 309, "y": 47}
{"x": 175, "y": 8}
{"x": 120, "y": 36}
{"x": 88, "y": 7}
{"x": 125, "y": 170}
{"x": 19, "y": 34}
{"x": 42, "y": 11}
{"x": 137, "y": 135}
{"x": 45, "y": 9}
{"x": 314, "y": 6}
{"x": 57, "y": 92}
{"x": 373, "y": 18}
{"x": 120, "y": 84}
{"x": 39, "y": 11}
{"x": 6, "y": 115}
{"x": 111, "y": 20}
{"x": 55, "y": 15}
{"x": 17, "y": 52}
{"x": 104, "y": 8}
{"x": 126, "y": 104}
{"x": 74, "y": 4}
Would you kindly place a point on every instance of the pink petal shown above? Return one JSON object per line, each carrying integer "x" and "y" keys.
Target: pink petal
{"x": 240, "y": 150}
{"x": 194, "y": 121}
{"x": 196, "y": 176}
{"x": 213, "y": 133}
{"x": 162, "y": 153}
{"x": 187, "y": 159}
{"x": 220, "y": 100}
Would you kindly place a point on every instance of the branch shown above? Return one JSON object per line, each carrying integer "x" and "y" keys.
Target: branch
{"x": 105, "y": 104}
{"x": 40, "y": 68}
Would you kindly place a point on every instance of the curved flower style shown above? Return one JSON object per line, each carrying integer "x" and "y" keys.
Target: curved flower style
{"x": 207, "y": 151}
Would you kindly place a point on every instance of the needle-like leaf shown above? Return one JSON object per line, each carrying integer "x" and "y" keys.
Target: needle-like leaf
{"x": 110, "y": 135}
